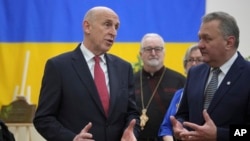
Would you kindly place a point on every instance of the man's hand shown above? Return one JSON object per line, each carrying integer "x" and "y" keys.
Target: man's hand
{"x": 128, "y": 134}
{"x": 205, "y": 132}
{"x": 177, "y": 127}
{"x": 84, "y": 135}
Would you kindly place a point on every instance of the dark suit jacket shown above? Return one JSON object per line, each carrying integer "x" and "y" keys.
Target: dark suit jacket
{"x": 231, "y": 102}
{"x": 69, "y": 99}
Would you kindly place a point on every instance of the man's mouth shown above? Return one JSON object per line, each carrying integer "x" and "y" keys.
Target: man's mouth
{"x": 110, "y": 41}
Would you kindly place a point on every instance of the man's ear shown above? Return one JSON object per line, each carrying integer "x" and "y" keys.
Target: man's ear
{"x": 86, "y": 27}
{"x": 230, "y": 42}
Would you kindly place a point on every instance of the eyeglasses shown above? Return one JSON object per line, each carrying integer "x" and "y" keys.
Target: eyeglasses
{"x": 150, "y": 49}
{"x": 196, "y": 60}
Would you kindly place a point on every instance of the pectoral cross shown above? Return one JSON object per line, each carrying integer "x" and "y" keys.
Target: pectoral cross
{"x": 144, "y": 118}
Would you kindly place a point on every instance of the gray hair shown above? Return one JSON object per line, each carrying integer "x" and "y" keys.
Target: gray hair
{"x": 228, "y": 25}
{"x": 152, "y": 35}
{"x": 188, "y": 52}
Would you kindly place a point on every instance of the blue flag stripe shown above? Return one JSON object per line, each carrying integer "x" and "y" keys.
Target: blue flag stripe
{"x": 60, "y": 20}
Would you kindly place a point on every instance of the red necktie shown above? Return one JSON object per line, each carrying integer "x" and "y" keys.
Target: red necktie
{"x": 100, "y": 83}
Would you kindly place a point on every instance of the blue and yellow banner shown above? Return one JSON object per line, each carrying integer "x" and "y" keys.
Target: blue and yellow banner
{"x": 31, "y": 31}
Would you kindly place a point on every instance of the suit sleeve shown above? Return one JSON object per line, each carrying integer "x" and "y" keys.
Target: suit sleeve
{"x": 45, "y": 120}
{"x": 133, "y": 112}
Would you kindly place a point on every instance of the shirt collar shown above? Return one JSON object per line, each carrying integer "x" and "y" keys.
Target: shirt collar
{"x": 226, "y": 66}
{"x": 88, "y": 55}
{"x": 157, "y": 73}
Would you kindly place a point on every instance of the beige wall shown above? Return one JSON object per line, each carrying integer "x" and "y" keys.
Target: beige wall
{"x": 240, "y": 10}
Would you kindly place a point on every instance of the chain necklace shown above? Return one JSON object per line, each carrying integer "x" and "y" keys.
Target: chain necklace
{"x": 144, "y": 118}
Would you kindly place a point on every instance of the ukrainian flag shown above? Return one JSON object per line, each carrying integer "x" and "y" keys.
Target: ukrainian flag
{"x": 31, "y": 31}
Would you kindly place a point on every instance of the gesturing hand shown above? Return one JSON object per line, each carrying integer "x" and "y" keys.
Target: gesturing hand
{"x": 128, "y": 134}
{"x": 84, "y": 135}
{"x": 207, "y": 131}
{"x": 177, "y": 127}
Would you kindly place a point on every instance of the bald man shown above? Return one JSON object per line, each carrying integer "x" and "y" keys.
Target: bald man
{"x": 70, "y": 106}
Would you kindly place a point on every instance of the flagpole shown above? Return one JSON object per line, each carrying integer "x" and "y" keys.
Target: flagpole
{"x": 25, "y": 70}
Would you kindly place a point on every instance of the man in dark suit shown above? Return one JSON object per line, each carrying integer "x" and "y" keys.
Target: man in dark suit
{"x": 70, "y": 108}
{"x": 198, "y": 119}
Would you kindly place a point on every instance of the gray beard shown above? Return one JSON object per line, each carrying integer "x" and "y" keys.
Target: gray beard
{"x": 153, "y": 63}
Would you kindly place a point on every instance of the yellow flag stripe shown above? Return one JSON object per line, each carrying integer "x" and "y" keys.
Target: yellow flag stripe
{"x": 12, "y": 60}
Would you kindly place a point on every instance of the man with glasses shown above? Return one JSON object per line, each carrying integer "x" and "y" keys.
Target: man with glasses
{"x": 155, "y": 86}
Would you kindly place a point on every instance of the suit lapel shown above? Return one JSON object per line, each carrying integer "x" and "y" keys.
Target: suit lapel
{"x": 202, "y": 74}
{"x": 113, "y": 81}
{"x": 231, "y": 77}
{"x": 81, "y": 67}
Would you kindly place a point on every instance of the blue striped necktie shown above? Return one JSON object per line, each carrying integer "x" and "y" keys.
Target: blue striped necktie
{"x": 211, "y": 87}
